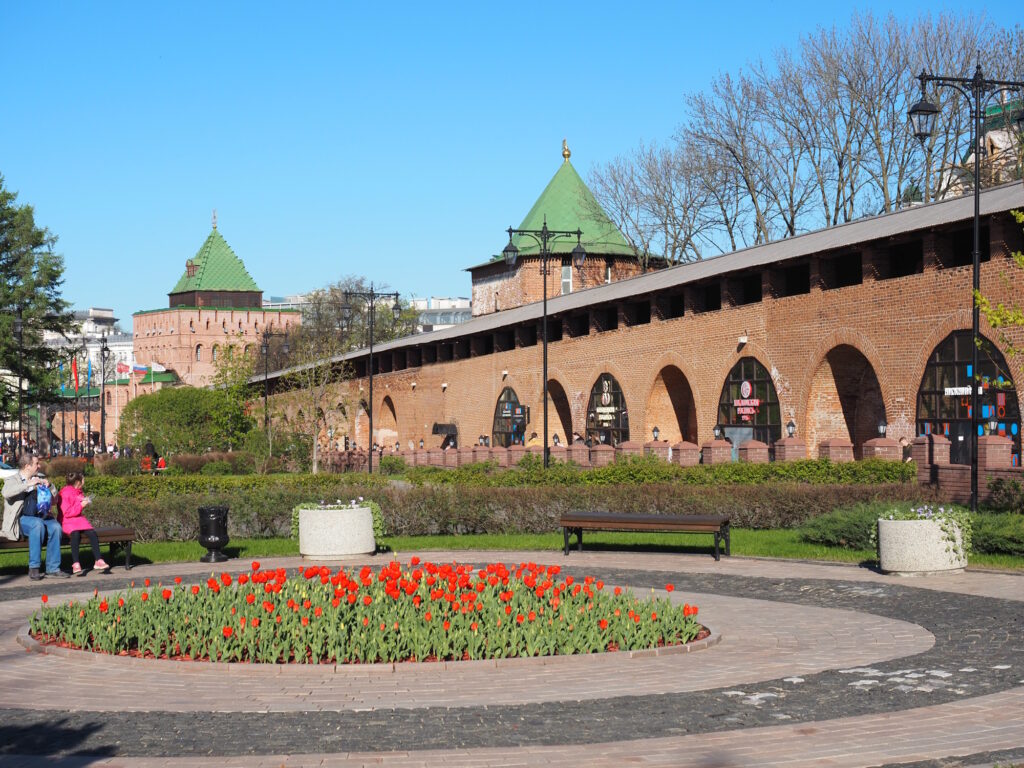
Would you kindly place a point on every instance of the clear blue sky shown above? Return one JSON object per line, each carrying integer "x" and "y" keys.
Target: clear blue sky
{"x": 391, "y": 140}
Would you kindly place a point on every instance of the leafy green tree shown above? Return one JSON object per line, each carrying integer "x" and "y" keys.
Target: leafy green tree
{"x": 232, "y": 372}
{"x": 31, "y": 276}
{"x": 184, "y": 420}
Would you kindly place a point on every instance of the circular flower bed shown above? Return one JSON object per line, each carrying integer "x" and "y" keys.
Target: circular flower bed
{"x": 425, "y": 612}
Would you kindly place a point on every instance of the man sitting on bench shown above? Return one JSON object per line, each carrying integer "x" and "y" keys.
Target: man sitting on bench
{"x": 21, "y": 517}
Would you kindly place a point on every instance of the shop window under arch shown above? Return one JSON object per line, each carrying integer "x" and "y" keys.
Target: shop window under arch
{"x": 944, "y": 399}
{"x": 749, "y": 406}
{"x": 607, "y": 416}
{"x": 510, "y": 420}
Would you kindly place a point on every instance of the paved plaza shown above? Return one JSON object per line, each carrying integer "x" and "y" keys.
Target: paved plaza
{"x": 807, "y": 665}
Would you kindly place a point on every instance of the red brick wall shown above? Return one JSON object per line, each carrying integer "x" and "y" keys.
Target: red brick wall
{"x": 170, "y": 337}
{"x": 893, "y": 325}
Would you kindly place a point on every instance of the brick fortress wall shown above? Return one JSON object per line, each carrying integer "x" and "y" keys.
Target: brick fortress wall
{"x": 836, "y": 356}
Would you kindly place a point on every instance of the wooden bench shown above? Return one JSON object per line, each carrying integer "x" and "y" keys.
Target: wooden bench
{"x": 576, "y": 522}
{"x": 116, "y": 537}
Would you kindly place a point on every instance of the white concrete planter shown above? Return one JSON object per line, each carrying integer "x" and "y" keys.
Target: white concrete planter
{"x": 327, "y": 533}
{"x": 918, "y": 548}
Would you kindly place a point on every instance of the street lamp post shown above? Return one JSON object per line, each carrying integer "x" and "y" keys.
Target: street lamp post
{"x": 370, "y": 297}
{"x": 543, "y": 237}
{"x": 104, "y": 359}
{"x": 922, "y": 115}
{"x": 19, "y": 330}
{"x": 265, "y": 338}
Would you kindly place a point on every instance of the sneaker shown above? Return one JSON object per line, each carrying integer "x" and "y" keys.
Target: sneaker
{"x": 101, "y": 566}
{"x": 59, "y": 574}
{"x": 76, "y": 570}
{"x": 34, "y": 574}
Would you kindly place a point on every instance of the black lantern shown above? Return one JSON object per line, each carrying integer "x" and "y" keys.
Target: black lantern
{"x": 791, "y": 428}
{"x": 421, "y": 443}
{"x": 882, "y": 427}
{"x": 510, "y": 253}
{"x": 213, "y": 533}
{"x": 655, "y": 432}
{"x": 993, "y": 426}
{"x": 922, "y": 118}
{"x": 717, "y": 431}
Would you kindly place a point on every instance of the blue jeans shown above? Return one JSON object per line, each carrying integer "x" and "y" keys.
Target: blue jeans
{"x": 36, "y": 529}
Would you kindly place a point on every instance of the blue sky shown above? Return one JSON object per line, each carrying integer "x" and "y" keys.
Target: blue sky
{"x": 391, "y": 140}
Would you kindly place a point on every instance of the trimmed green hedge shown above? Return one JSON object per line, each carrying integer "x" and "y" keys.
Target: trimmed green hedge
{"x": 637, "y": 470}
{"x": 166, "y": 508}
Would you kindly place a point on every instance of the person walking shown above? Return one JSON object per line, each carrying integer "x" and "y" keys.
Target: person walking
{"x": 21, "y": 518}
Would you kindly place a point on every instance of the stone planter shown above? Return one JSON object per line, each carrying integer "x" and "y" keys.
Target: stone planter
{"x": 917, "y": 548}
{"x": 327, "y": 533}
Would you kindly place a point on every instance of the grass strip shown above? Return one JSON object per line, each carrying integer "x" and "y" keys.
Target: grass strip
{"x": 780, "y": 543}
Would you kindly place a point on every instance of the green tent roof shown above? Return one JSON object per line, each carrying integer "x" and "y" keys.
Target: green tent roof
{"x": 567, "y": 204}
{"x": 215, "y": 268}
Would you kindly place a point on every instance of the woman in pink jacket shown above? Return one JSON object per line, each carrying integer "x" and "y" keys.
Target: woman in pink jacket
{"x": 72, "y": 501}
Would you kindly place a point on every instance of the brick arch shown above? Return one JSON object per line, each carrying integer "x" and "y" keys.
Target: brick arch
{"x": 960, "y": 321}
{"x": 762, "y": 356}
{"x": 386, "y": 423}
{"x": 668, "y": 398}
{"x": 630, "y": 392}
{"x": 844, "y": 399}
{"x": 844, "y": 337}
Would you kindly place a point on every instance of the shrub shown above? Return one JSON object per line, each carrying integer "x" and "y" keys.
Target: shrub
{"x": 216, "y": 468}
{"x": 164, "y": 507}
{"x": 392, "y": 465}
{"x": 59, "y": 466}
{"x": 999, "y": 534}
{"x": 1006, "y": 496}
{"x": 847, "y": 527}
{"x": 643, "y": 470}
{"x": 187, "y": 462}
{"x": 119, "y": 467}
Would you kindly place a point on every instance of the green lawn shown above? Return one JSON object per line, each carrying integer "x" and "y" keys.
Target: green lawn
{"x": 748, "y": 542}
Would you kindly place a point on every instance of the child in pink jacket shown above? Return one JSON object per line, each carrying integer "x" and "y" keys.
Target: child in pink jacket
{"x": 74, "y": 523}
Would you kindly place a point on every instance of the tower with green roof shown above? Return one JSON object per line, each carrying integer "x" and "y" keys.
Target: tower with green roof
{"x": 214, "y": 307}
{"x": 215, "y": 277}
{"x": 565, "y": 204}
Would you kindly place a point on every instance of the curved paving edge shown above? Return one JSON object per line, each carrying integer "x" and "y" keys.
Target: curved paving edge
{"x": 977, "y": 653}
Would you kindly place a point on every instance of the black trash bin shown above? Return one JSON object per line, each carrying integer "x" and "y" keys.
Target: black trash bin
{"x": 213, "y": 533}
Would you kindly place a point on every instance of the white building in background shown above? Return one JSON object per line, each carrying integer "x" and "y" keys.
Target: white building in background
{"x": 436, "y": 313}
{"x": 295, "y": 301}
{"x": 95, "y": 324}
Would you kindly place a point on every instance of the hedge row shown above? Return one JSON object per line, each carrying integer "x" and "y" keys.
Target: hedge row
{"x": 851, "y": 527}
{"x": 264, "y": 509}
{"x": 636, "y": 470}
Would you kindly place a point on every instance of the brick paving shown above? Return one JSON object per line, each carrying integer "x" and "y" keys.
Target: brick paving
{"x": 815, "y": 665}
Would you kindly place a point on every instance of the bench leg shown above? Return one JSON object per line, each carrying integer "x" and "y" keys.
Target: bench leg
{"x": 128, "y": 556}
{"x": 565, "y": 541}
{"x": 579, "y": 539}
{"x": 717, "y": 537}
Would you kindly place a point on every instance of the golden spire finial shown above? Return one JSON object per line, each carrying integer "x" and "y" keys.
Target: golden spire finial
{"x": 565, "y": 150}
{"x": 214, "y": 218}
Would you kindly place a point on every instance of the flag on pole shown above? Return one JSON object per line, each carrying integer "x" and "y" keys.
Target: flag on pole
{"x": 60, "y": 368}
{"x": 88, "y": 375}
{"x": 123, "y": 368}
{"x": 74, "y": 372}
{"x": 157, "y": 368}
{"x": 140, "y": 369}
